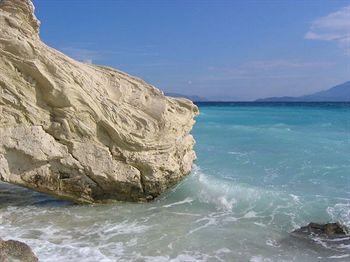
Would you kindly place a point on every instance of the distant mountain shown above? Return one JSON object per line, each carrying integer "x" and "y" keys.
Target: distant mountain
{"x": 339, "y": 93}
{"x": 193, "y": 98}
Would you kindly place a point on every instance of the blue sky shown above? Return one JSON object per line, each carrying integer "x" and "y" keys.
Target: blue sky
{"x": 231, "y": 50}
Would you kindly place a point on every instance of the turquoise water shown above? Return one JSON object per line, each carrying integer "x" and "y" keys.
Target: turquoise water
{"x": 262, "y": 171}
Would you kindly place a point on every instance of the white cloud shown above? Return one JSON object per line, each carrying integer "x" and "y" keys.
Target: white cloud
{"x": 334, "y": 27}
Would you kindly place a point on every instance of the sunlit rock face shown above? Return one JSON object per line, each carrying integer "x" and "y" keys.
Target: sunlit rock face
{"x": 84, "y": 132}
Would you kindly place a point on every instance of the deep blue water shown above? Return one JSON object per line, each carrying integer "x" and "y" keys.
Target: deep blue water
{"x": 263, "y": 170}
{"x": 302, "y": 147}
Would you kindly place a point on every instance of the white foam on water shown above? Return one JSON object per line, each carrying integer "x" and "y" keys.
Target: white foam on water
{"x": 187, "y": 200}
{"x": 237, "y": 153}
{"x": 203, "y": 208}
{"x": 250, "y": 214}
{"x": 49, "y": 233}
{"x": 243, "y": 201}
{"x": 295, "y": 198}
{"x": 213, "y": 191}
{"x": 259, "y": 259}
{"x": 340, "y": 256}
{"x": 187, "y": 256}
{"x": 272, "y": 243}
{"x": 124, "y": 228}
{"x": 340, "y": 212}
{"x": 186, "y": 214}
{"x": 259, "y": 224}
{"x": 209, "y": 221}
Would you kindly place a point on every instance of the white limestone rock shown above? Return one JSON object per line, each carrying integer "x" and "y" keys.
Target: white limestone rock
{"x": 84, "y": 132}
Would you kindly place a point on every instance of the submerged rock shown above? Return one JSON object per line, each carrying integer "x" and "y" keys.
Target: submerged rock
{"x": 328, "y": 235}
{"x": 12, "y": 250}
{"x": 329, "y": 230}
{"x": 84, "y": 132}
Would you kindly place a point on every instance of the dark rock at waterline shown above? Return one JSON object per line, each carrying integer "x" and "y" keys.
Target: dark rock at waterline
{"x": 12, "y": 250}
{"x": 328, "y": 241}
{"x": 330, "y": 235}
{"x": 328, "y": 230}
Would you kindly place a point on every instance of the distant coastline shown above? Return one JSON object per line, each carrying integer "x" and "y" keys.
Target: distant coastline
{"x": 272, "y": 104}
{"x": 337, "y": 94}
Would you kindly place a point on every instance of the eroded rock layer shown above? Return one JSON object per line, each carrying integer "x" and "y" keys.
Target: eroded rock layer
{"x": 84, "y": 132}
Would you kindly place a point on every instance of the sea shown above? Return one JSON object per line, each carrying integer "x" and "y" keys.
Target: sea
{"x": 262, "y": 171}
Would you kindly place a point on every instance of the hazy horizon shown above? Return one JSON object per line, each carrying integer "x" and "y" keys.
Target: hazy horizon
{"x": 239, "y": 50}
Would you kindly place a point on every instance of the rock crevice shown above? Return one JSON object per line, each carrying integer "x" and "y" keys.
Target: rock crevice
{"x": 84, "y": 132}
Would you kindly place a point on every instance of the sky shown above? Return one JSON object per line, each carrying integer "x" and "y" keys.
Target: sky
{"x": 221, "y": 50}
